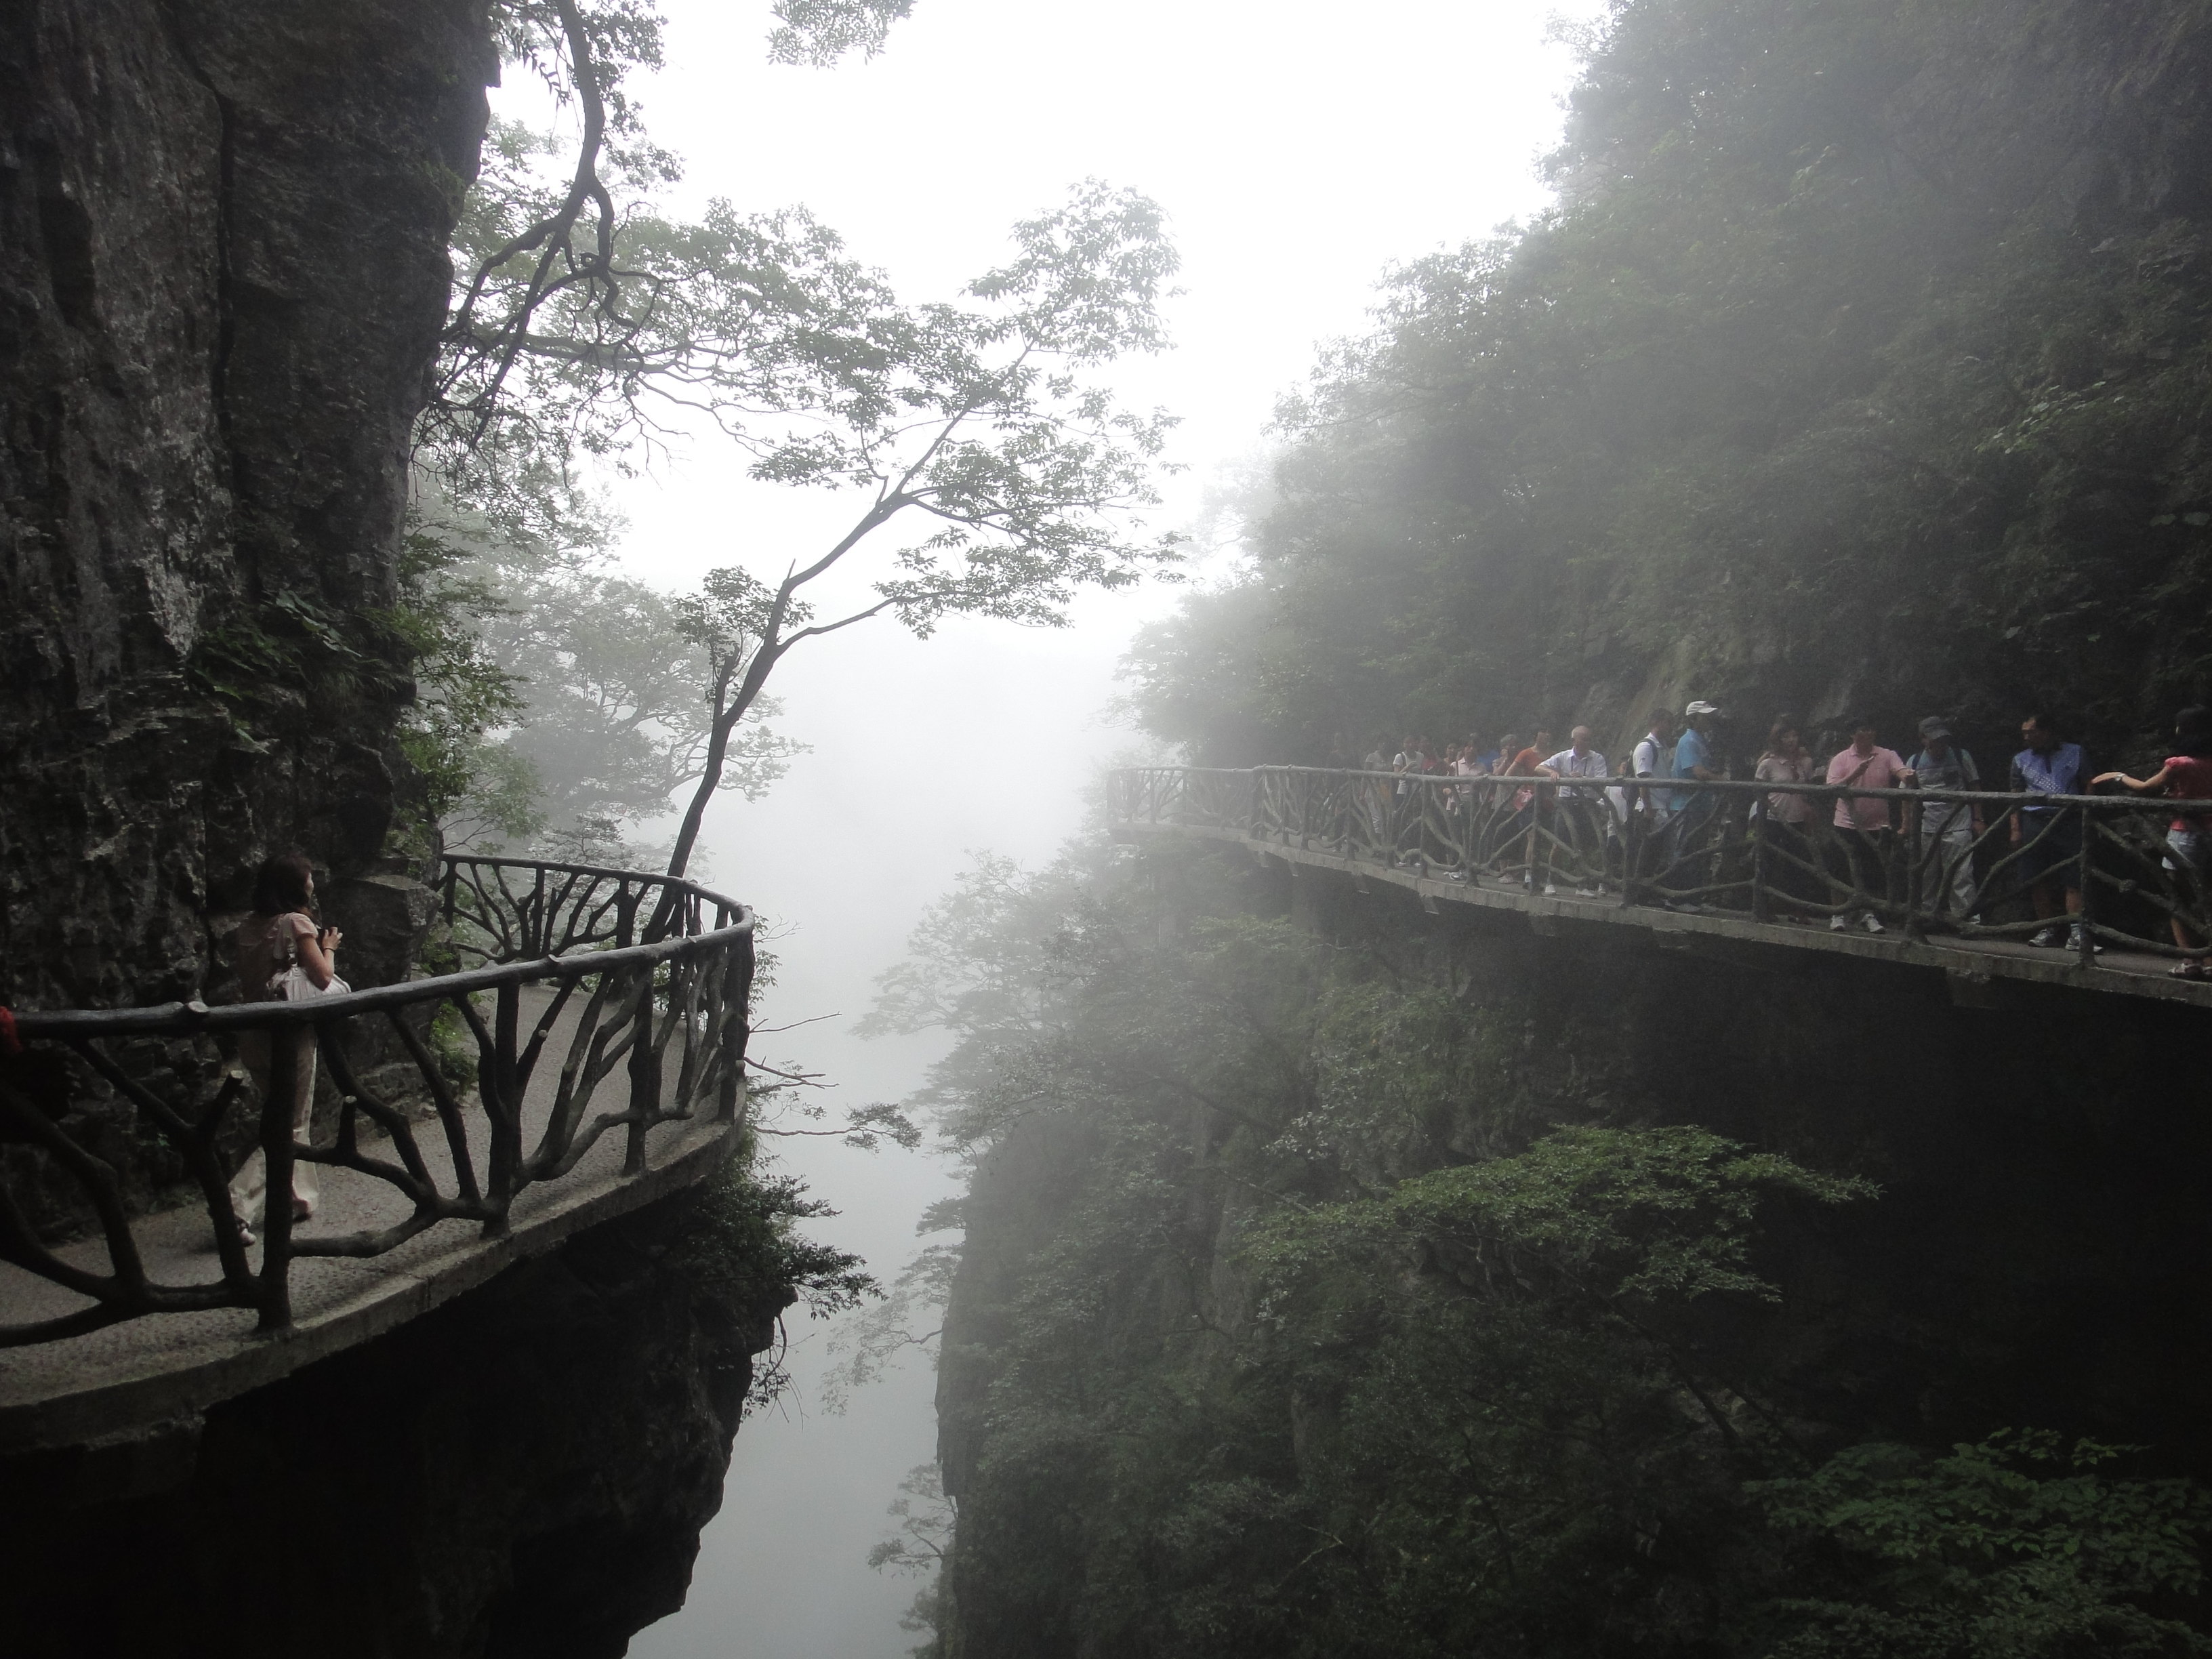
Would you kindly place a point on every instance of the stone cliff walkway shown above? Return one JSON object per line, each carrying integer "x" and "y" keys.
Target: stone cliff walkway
{"x": 171, "y": 1365}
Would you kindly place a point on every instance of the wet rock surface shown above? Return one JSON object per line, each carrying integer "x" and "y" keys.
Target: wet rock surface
{"x": 222, "y": 270}
{"x": 223, "y": 227}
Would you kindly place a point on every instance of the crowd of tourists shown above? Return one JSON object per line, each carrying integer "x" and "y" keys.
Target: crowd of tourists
{"x": 1815, "y": 846}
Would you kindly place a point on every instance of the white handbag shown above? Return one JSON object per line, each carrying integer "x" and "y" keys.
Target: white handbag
{"x": 291, "y": 984}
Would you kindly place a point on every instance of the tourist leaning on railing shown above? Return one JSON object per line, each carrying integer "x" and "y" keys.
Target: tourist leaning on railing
{"x": 2185, "y": 774}
{"x": 2050, "y": 837}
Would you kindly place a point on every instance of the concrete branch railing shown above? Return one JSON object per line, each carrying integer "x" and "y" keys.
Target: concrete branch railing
{"x": 654, "y": 973}
{"x": 1947, "y": 861}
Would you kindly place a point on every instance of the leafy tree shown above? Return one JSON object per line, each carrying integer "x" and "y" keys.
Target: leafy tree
{"x": 1831, "y": 380}
{"x": 1297, "y": 1313}
{"x": 738, "y": 1240}
{"x": 2018, "y": 1545}
{"x": 586, "y": 325}
{"x": 977, "y": 423}
{"x": 924, "y": 1537}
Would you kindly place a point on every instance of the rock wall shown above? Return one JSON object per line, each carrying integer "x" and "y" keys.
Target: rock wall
{"x": 223, "y": 227}
{"x": 523, "y": 1473}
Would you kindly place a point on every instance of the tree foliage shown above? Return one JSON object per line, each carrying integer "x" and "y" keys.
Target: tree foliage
{"x": 1862, "y": 362}
{"x": 590, "y": 329}
{"x": 1300, "y": 1310}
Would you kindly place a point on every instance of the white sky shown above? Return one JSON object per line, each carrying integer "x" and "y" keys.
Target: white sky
{"x": 1298, "y": 150}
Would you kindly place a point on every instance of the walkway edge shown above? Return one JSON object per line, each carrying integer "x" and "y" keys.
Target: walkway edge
{"x": 128, "y": 1405}
{"x": 1966, "y": 962}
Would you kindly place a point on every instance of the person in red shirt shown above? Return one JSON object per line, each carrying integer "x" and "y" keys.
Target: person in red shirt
{"x": 2185, "y": 776}
{"x": 1529, "y": 763}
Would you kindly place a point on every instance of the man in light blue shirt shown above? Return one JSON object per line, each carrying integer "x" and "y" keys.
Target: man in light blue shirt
{"x": 1693, "y": 753}
{"x": 1692, "y": 808}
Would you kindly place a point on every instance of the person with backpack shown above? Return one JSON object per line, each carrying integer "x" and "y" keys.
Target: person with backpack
{"x": 1653, "y": 758}
{"x": 1948, "y": 830}
{"x": 2185, "y": 774}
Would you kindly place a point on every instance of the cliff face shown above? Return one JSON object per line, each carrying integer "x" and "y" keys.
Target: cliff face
{"x": 222, "y": 267}
{"x": 524, "y": 1472}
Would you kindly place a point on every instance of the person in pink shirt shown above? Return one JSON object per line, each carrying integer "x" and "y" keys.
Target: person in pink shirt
{"x": 1864, "y": 821}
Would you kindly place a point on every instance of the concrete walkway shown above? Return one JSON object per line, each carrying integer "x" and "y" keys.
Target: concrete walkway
{"x": 167, "y": 1366}
{"x": 1977, "y": 968}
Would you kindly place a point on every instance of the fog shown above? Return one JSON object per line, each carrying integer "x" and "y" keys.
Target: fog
{"x": 1298, "y": 150}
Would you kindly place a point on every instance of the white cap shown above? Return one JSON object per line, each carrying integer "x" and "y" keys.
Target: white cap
{"x": 1697, "y": 709}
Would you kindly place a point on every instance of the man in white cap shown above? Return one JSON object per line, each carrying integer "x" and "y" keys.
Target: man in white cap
{"x": 1694, "y": 758}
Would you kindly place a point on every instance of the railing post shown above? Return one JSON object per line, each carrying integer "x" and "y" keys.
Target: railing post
{"x": 502, "y": 1108}
{"x": 1633, "y": 857}
{"x": 737, "y": 993}
{"x": 2086, "y": 953}
{"x": 278, "y": 1106}
{"x": 644, "y": 1071}
{"x": 1914, "y": 886}
{"x": 1760, "y": 910}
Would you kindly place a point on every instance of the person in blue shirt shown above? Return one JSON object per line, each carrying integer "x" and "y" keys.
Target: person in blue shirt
{"x": 1693, "y": 753}
{"x": 1693, "y": 809}
{"x": 2050, "y": 837}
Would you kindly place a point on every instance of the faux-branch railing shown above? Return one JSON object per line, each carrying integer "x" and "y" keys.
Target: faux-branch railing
{"x": 1720, "y": 845}
{"x": 663, "y": 970}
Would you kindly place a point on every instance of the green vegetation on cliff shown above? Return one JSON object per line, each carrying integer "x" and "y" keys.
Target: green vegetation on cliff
{"x": 1359, "y": 1288}
{"x": 1863, "y": 359}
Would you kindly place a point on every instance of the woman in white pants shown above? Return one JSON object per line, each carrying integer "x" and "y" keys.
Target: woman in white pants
{"x": 277, "y": 938}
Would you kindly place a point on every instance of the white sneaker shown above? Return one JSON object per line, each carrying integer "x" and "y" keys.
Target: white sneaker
{"x": 1837, "y": 924}
{"x": 1871, "y": 922}
{"x": 1550, "y": 891}
{"x": 2047, "y": 939}
{"x": 2074, "y": 942}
